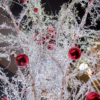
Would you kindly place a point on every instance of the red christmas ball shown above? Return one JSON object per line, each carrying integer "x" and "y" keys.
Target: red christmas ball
{"x": 74, "y": 35}
{"x": 93, "y": 96}
{"x": 52, "y": 42}
{"x": 92, "y": 73}
{"x": 22, "y": 60}
{"x": 50, "y": 47}
{"x": 76, "y": 45}
{"x": 74, "y": 53}
{"x": 35, "y": 10}
{"x": 23, "y": 1}
{"x": 43, "y": 40}
{"x": 51, "y": 32}
{"x": 24, "y": 90}
{"x": 69, "y": 78}
{"x": 48, "y": 35}
{"x": 4, "y": 99}
{"x": 12, "y": 54}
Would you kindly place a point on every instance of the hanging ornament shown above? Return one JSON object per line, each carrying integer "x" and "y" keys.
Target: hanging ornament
{"x": 76, "y": 45}
{"x": 69, "y": 78}
{"x": 52, "y": 43}
{"x": 51, "y": 32}
{"x": 12, "y": 54}
{"x": 43, "y": 41}
{"x": 50, "y": 47}
{"x": 75, "y": 36}
{"x": 4, "y": 99}
{"x": 22, "y": 60}
{"x": 23, "y": 1}
{"x": 93, "y": 96}
{"x": 92, "y": 73}
{"x": 24, "y": 90}
{"x": 74, "y": 53}
{"x": 39, "y": 39}
{"x": 35, "y": 10}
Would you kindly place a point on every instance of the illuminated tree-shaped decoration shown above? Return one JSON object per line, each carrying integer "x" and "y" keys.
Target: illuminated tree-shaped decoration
{"x": 53, "y": 71}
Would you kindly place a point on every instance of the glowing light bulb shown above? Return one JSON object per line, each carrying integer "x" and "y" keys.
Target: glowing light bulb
{"x": 83, "y": 66}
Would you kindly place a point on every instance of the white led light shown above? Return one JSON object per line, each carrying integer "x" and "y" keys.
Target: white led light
{"x": 83, "y": 66}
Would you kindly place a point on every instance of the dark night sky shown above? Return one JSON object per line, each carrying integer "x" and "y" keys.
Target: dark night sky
{"x": 53, "y": 5}
{"x": 50, "y": 5}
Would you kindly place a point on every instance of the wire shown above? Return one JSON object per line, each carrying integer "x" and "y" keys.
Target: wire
{"x": 50, "y": 6}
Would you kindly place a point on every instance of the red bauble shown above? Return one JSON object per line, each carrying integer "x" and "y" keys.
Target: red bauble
{"x": 4, "y": 99}
{"x": 76, "y": 45}
{"x": 43, "y": 41}
{"x": 52, "y": 43}
{"x": 74, "y": 35}
{"x": 93, "y": 96}
{"x": 23, "y": 1}
{"x": 22, "y": 60}
{"x": 24, "y": 90}
{"x": 92, "y": 73}
{"x": 51, "y": 32}
{"x": 35, "y": 10}
{"x": 12, "y": 54}
{"x": 74, "y": 53}
{"x": 69, "y": 78}
{"x": 50, "y": 47}
{"x": 38, "y": 39}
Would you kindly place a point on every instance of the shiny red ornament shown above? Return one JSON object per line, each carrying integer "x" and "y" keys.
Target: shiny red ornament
{"x": 92, "y": 73}
{"x": 93, "y": 96}
{"x": 69, "y": 78}
{"x": 51, "y": 35}
{"x": 76, "y": 45}
{"x": 91, "y": 1}
{"x": 35, "y": 10}
{"x": 4, "y": 99}
{"x": 22, "y": 60}
{"x": 12, "y": 54}
{"x": 43, "y": 41}
{"x": 24, "y": 90}
{"x": 75, "y": 36}
{"x": 51, "y": 32}
{"x": 52, "y": 42}
{"x": 36, "y": 36}
{"x": 51, "y": 45}
{"x": 38, "y": 39}
{"x": 23, "y": 1}
{"x": 74, "y": 53}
